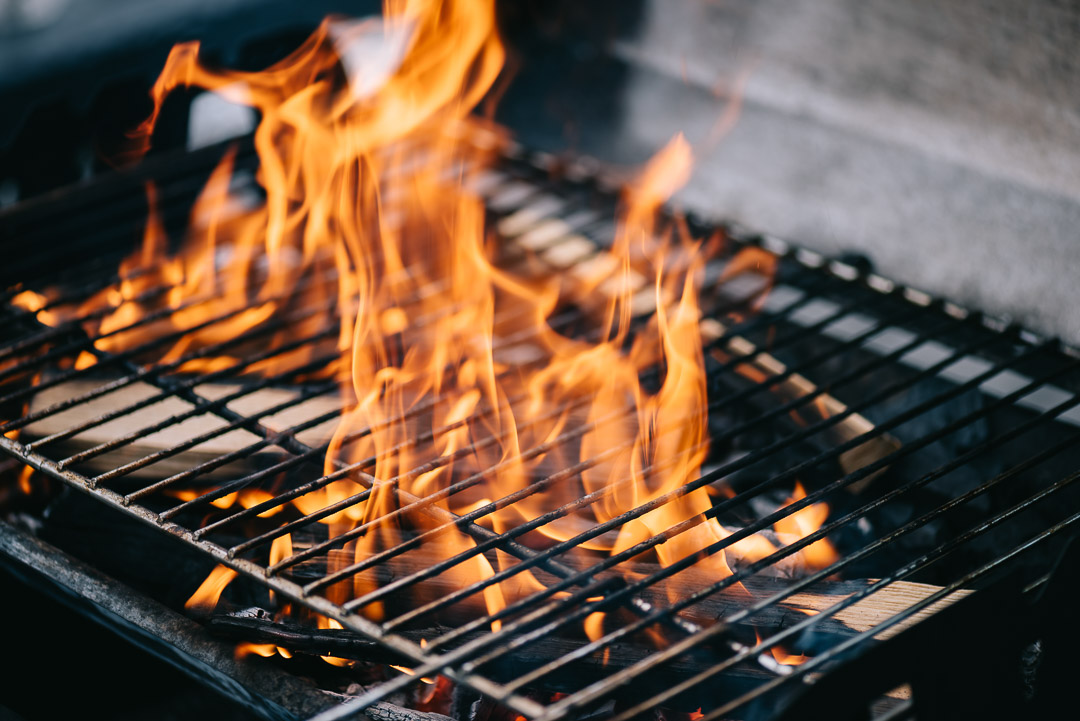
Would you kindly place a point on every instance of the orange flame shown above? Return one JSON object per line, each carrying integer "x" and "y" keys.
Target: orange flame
{"x": 594, "y": 629}
{"x": 35, "y": 303}
{"x": 781, "y": 656}
{"x": 409, "y": 672}
{"x": 369, "y": 231}
{"x": 24, "y": 480}
{"x": 787, "y": 659}
{"x": 266, "y": 650}
{"x": 245, "y": 649}
{"x": 801, "y": 524}
{"x": 206, "y": 596}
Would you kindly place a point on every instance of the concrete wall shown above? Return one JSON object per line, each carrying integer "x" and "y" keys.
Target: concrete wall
{"x": 941, "y": 139}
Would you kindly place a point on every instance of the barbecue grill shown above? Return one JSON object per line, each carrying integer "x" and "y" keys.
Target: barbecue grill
{"x": 859, "y": 504}
{"x": 944, "y": 441}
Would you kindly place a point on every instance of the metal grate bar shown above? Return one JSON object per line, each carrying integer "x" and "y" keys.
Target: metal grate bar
{"x": 574, "y": 583}
{"x": 69, "y": 298}
{"x": 319, "y": 451}
{"x": 115, "y": 443}
{"x": 313, "y": 453}
{"x": 555, "y": 710}
{"x": 137, "y": 373}
{"x": 738, "y": 535}
{"x": 359, "y": 530}
{"x": 462, "y": 653}
{"x": 821, "y": 533}
{"x": 718, "y": 474}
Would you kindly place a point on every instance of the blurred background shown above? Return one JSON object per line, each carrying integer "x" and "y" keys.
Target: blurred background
{"x": 938, "y": 140}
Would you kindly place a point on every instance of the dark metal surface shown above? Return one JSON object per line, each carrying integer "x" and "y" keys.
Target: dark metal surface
{"x": 269, "y": 693}
{"x": 1029, "y": 644}
{"x": 986, "y": 412}
{"x": 158, "y": 629}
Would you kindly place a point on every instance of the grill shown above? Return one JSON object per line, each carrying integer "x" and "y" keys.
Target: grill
{"x": 945, "y": 443}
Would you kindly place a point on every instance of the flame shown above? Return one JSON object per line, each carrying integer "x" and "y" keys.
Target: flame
{"x": 267, "y": 650}
{"x": 280, "y": 548}
{"x": 35, "y": 303}
{"x": 245, "y": 649}
{"x": 24, "y": 480}
{"x": 85, "y": 360}
{"x": 370, "y": 239}
{"x": 206, "y": 596}
{"x": 594, "y": 630}
{"x": 787, "y": 659}
{"x": 251, "y": 497}
{"x": 801, "y": 524}
{"x": 336, "y": 661}
{"x": 409, "y": 672}
{"x": 29, "y": 300}
{"x": 325, "y": 622}
{"x": 780, "y": 655}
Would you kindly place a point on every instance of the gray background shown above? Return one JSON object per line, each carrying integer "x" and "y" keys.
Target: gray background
{"x": 941, "y": 139}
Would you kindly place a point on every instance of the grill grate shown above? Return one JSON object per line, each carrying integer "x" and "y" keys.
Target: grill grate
{"x": 973, "y": 424}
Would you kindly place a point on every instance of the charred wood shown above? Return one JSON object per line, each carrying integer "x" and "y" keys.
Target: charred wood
{"x": 389, "y": 712}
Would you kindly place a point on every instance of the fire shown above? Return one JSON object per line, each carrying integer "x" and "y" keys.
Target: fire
{"x": 245, "y": 649}
{"x": 409, "y": 672}
{"x": 370, "y": 240}
{"x": 281, "y": 548}
{"x": 594, "y": 630}
{"x": 206, "y": 596}
{"x": 85, "y": 360}
{"x": 336, "y": 661}
{"x": 801, "y": 524}
{"x": 30, "y": 301}
{"x": 251, "y": 497}
{"x": 266, "y": 650}
{"x": 36, "y": 303}
{"x": 787, "y": 659}
{"x": 24, "y": 480}
{"x": 781, "y": 656}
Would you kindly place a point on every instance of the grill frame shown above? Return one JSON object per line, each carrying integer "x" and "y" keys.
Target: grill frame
{"x": 585, "y": 174}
